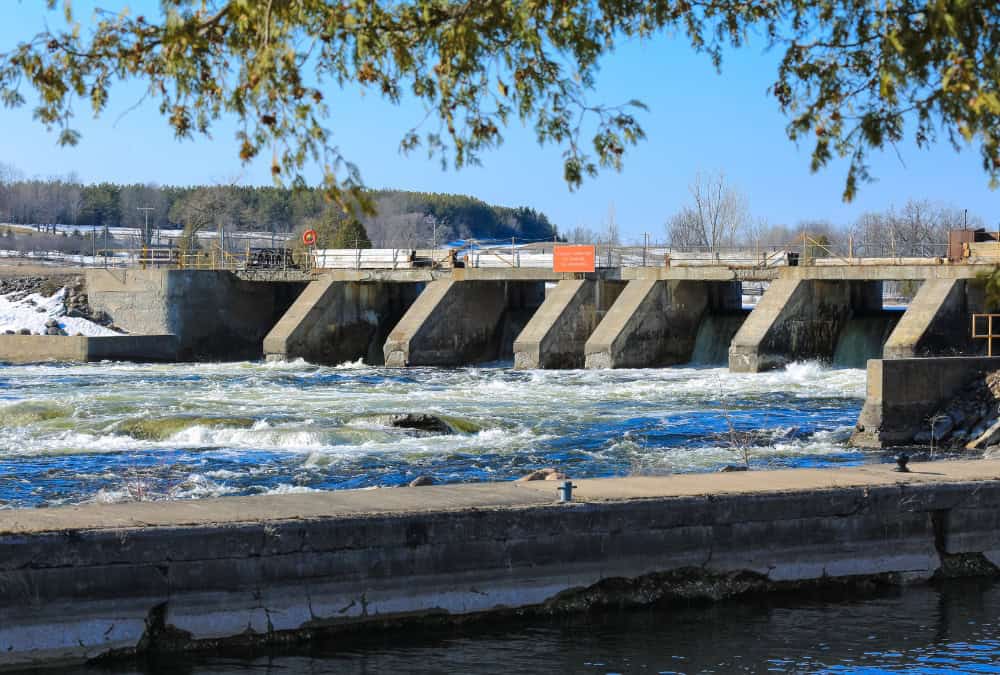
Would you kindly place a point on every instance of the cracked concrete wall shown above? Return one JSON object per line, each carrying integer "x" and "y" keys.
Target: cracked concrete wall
{"x": 71, "y": 595}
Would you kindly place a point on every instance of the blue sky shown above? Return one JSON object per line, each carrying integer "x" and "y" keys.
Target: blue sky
{"x": 697, "y": 121}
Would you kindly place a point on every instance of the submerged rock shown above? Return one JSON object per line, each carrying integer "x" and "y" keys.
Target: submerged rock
{"x": 418, "y": 421}
{"x": 157, "y": 429}
{"x": 29, "y": 412}
{"x": 434, "y": 424}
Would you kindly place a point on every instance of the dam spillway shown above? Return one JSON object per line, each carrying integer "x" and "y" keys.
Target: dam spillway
{"x": 613, "y": 318}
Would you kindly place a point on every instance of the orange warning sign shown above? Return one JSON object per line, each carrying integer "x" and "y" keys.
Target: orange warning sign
{"x": 573, "y": 258}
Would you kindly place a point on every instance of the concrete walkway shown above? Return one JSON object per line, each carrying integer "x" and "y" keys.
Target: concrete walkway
{"x": 482, "y": 496}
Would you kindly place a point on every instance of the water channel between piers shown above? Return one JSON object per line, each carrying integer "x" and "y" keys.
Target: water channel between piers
{"x": 80, "y": 582}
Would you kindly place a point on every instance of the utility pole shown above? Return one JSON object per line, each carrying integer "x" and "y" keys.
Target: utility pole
{"x": 145, "y": 233}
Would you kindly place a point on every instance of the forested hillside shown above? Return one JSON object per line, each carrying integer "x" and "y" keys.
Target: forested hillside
{"x": 402, "y": 218}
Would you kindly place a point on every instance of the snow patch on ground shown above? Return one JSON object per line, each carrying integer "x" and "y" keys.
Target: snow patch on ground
{"x": 18, "y": 314}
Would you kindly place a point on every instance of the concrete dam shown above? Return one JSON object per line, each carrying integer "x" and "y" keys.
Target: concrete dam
{"x": 612, "y": 318}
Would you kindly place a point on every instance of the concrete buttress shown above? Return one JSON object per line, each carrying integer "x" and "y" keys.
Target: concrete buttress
{"x": 936, "y": 321}
{"x": 454, "y": 323}
{"x": 655, "y": 322}
{"x": 799, "y": 319}
{"x": 556, "y": 335}
{"x": 334, "y": 322}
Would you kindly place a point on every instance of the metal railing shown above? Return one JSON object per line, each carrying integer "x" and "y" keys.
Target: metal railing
{"x": 533, "y": 254}
{"x": 210, "y": 258}
{"x": 989, "y": 335}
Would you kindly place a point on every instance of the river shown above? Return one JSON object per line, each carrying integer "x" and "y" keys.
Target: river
{"x": 953, "y": 627}
{"x": 117, "y": 432}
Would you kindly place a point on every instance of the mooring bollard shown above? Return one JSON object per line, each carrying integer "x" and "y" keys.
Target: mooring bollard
{"x": 901, "y": 461}
{"x": 566, "y": 491}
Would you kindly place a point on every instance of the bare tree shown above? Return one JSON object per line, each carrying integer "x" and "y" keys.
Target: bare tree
{"x": 611, "y": 233}
{"x": 583, "y": 235}
{"x": 204, "y": 209}
{"x": 920, "y": 228}
{"x": 717, "y": 214}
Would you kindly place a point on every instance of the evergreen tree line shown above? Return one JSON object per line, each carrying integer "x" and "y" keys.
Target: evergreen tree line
{"x": 414, "y": 219}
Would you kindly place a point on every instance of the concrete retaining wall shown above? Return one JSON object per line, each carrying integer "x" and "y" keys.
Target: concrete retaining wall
{"x": 214, "y": 314}
{"x": 77, "y": 583}
{"x": 902, "y": 393}
{"x": 62, "y": 348}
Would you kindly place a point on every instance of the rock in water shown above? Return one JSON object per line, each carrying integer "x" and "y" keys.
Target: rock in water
{"x": 421, "y": 481}
{"x": 418, "y": 421}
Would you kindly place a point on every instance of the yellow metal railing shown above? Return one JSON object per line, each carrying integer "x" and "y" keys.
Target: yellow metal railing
{"x": 989, "y": 335}
{"x": 209, "y": 258}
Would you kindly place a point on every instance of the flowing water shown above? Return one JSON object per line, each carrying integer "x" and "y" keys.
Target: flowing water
{"x": 863, "y": 338}
{"x": 116, "y": 432}
{"x": 715, "y": 333}
{"x": 111, "y": 432}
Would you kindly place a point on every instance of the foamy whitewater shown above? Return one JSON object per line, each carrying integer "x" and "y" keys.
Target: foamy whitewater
{"x": 115, "y": 432}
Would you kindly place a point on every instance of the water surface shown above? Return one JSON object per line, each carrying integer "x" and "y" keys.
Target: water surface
{"x": 114, "y": 432}
{"x": 951, "y": 628}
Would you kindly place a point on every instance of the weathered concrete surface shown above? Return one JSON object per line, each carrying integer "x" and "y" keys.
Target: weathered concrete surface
{"x": 655, "y": 323}
{"x": 214, "y": 314}
{"x": 454, "y": 323}
{"x": 937, "y": 321}
{"x": 799, "y": 319}
{"x": 556, "y": 335}
{"x": 840, "y": 272}
{"x": 78, "y": 582}
{"x": 63, "y": 348}
{"x": 901, "y": 393}
{"x": 333, "y": 322}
